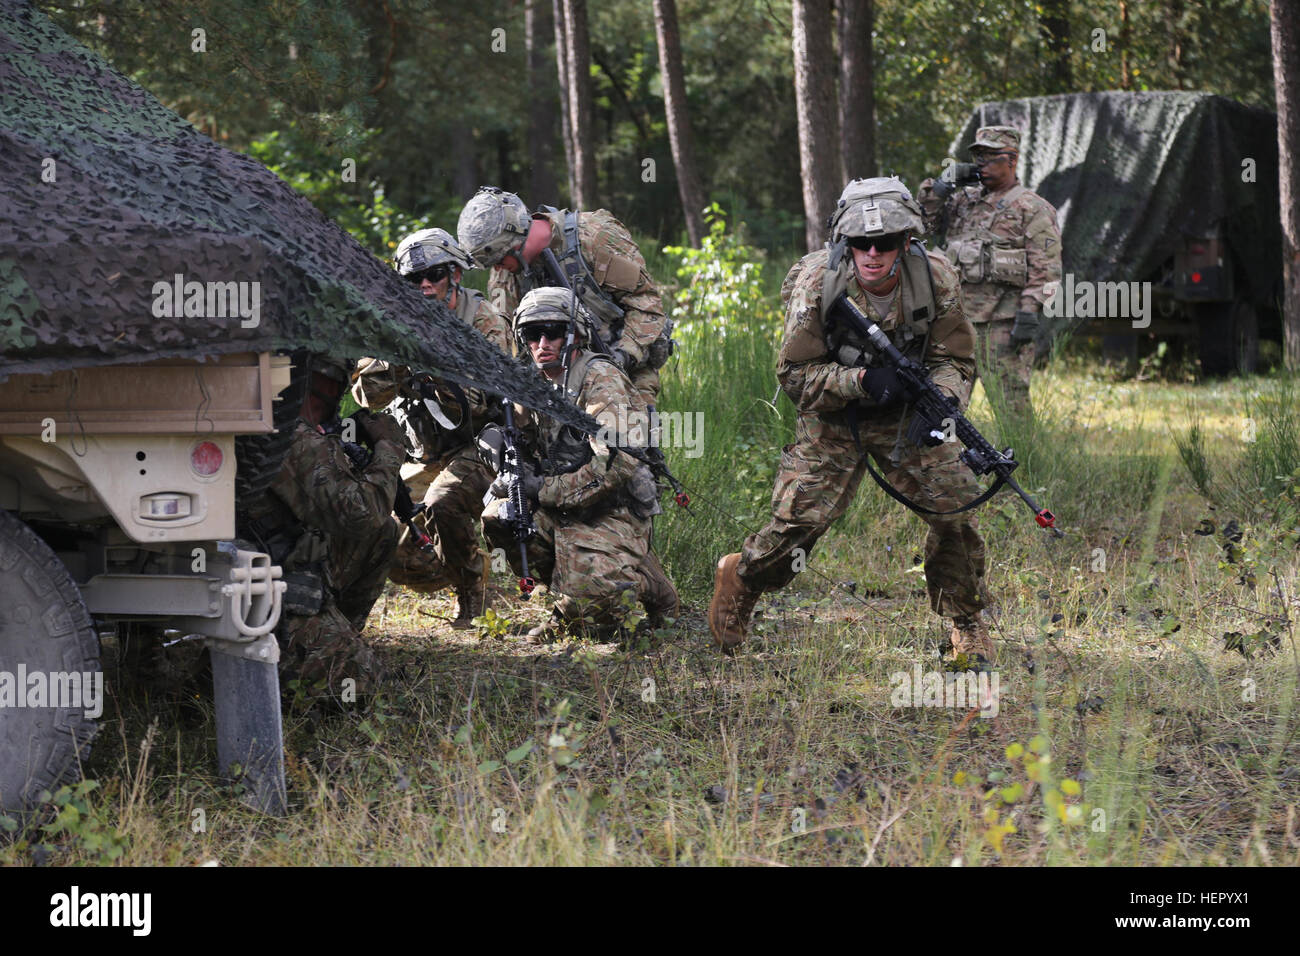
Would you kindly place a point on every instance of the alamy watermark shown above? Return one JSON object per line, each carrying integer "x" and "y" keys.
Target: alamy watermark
{"x": 641, "y": 428}
{"x": 208, "y": 300}
{"x": 1083, "y": 299}
{"x": 53, "y": 689}
{"x": 945, "y": 689}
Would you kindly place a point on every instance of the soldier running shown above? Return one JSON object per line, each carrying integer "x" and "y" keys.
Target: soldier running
{"x": 850, "y": 406}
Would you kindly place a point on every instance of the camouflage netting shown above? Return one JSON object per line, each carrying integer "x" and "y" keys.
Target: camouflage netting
{"x": 1129, "y": 173}
{"x": 107, "y": 192}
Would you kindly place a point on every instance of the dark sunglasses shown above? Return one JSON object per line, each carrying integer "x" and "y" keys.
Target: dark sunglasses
{"x": 535, "y": 332}
{"x": 984, "y": 159}
{"x": 880, "y": 243}
{"x": 434, "y": 274}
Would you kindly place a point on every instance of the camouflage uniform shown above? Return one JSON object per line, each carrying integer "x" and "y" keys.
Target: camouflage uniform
{"x": 619, "y": 269}
{"x": 1006, "y": 247}
{"x": 453, "y": 478}
{"x": 820, "y": 472}
{"x": 334, "y": 522}
{"x": 592, "y": 543}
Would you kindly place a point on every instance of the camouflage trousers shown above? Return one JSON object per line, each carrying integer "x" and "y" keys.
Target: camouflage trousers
{"x": 454, "y": 501}
{"x": 1005, "y": 368}
{"x": 324, "y": 649}
{"x": 595, "y": 565}
{"x": 820, "y": 474}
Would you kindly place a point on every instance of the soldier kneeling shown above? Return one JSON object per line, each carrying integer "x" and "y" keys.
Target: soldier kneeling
{"x": 592, "y": 504}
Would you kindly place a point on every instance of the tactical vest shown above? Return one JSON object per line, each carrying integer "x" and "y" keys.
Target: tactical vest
{"x": 608, "y": 313}
{"x": 915, "y": 300}
{"x": 982, "y": 256}
{"x": 432, "y": 435}
{"x": 565, "y": 449}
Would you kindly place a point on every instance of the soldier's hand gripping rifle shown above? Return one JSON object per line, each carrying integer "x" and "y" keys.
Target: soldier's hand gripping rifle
{"x": 405, "y": 509}
{"x": 935, "y": 408}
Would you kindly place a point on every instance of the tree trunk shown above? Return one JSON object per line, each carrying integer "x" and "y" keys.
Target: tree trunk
{"x": 1285, "y": 32}
{"x": 562, "y": 71}
{"x": 541, "y": 103}
{"x": 857, "y": 90}
{"x": 1173, "y": 21}
{"x": 578, "y": 57}
{"x": 1054, "y": 22}
{"x": 462, "y": 144}
{"x": 814, "y": 92}
{"x": 679, "y": 123}
{"x": 1125, "y": 80}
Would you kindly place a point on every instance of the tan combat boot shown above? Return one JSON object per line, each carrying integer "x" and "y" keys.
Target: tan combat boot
{"x": 971, "y": 639}
{"x": 732, "y": 604}
{"x": 658, "y": 595}
{"x": 469, "y": 605}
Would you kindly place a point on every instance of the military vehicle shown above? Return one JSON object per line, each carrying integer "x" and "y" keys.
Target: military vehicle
{"x": 153, "y": 285}
{"x": 1179, "y": 190}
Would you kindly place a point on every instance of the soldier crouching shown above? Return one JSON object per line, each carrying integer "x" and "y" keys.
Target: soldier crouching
{"x": 452, "y": 480}
{"x": 326, "y": 522}
{"x": 592, "y": 504}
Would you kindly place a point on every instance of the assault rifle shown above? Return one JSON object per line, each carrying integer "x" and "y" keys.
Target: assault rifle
{"x": 405, "y": 509}
{"x": 517, "y": 515}
{"x": 935, "y": 408}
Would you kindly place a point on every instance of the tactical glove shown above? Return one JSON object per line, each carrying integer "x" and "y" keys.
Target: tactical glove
{"x": 380, "y": 427}
{"x": 1025, "y": 328}
{"x": 529, "y": 480}
{"x": 883, "y": 385}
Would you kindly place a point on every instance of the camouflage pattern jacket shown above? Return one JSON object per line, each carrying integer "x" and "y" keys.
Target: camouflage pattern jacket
{"x": 1005, "y": 245}
{"x": 818, "y": 384}
{"x": 378, "y": 382}
{"x": 582, "y": 472}
{"x": 325, "y": 506}
{"x": 619, "y": 270}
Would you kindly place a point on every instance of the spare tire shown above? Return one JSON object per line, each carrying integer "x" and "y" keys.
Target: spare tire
{"x": 44, "y": 628}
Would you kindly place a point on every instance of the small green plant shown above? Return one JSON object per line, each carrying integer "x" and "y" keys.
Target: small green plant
{"x": 81, "y": 825}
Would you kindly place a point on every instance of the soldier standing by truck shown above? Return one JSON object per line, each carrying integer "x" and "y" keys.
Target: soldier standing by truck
{"x": 455, "y": 477}
{"x": 1006, "y": 246}
{"x": 327, "y": 523}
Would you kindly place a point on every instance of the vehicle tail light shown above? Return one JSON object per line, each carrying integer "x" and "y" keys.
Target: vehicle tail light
{"x": 206, "y": 458}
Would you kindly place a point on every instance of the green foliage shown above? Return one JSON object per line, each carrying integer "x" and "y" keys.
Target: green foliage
{"x": 79, "y": 824}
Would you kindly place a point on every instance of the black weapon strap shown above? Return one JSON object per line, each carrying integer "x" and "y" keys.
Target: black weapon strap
{"x": 897, "y": 495}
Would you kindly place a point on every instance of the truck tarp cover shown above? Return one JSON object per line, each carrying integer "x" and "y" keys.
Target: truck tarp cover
{"x": 106, "y": 193}
{"x": 1130, "y": 173}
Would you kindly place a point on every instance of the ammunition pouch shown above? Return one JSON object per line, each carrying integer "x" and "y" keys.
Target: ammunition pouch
{"x": 979, "y": 260}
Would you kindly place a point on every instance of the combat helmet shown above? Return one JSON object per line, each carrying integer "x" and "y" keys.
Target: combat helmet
{"x": 875, "y": 207}
{"x": 550, "y": 305}
{"x": 427, "y": 248}
{"x": 492, "y": 224}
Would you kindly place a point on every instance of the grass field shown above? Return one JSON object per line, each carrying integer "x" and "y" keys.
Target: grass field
{"x": 1146, "y": 679}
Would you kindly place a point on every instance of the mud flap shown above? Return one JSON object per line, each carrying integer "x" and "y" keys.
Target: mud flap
{"x": 250, "y": 736}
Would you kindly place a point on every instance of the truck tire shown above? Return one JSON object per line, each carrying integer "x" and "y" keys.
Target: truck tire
{"x": 44, "y": 626}
{"x": 258, "y": 457}
{"x": 1228, "y": 334}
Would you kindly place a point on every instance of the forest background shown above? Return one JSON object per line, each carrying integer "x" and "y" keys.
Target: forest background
{"x": 390, "y": 113}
